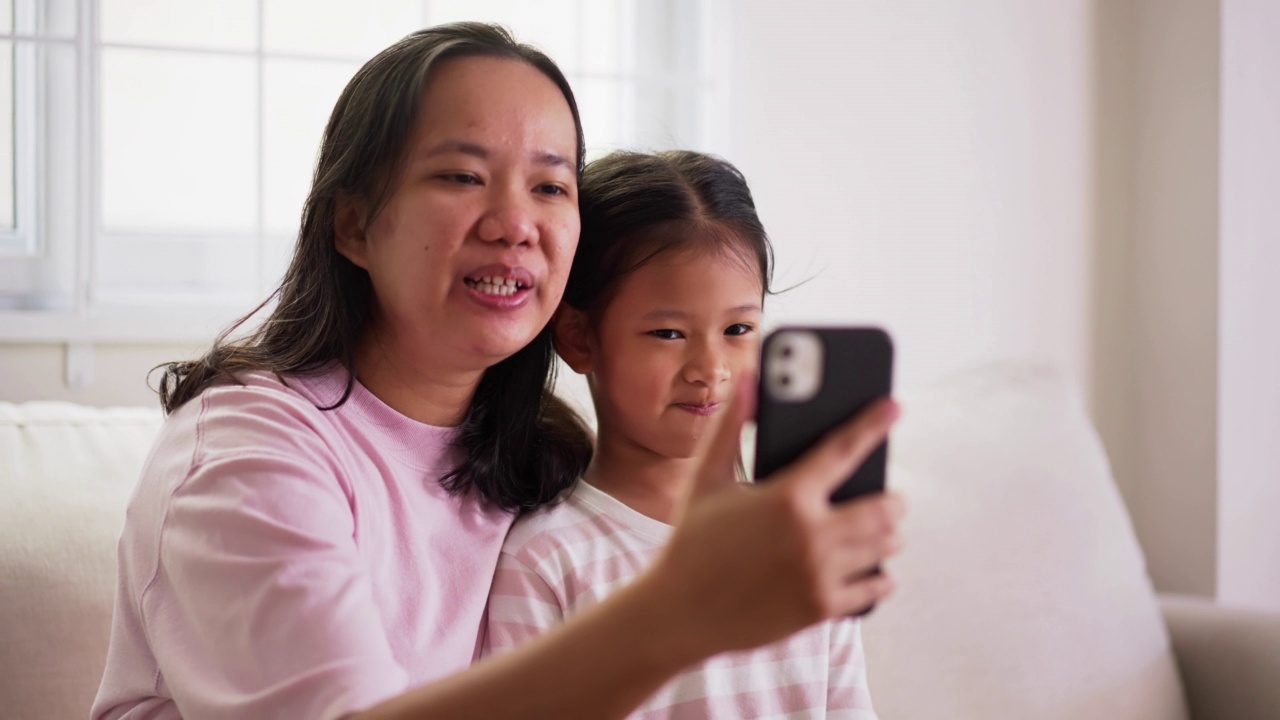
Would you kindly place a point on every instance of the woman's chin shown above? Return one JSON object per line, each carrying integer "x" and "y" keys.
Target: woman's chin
{"x": 493, "y": 347}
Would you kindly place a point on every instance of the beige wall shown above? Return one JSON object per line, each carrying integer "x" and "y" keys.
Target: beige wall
{"x": 1174, "y": 280}
{"x": 37, "y": 372}
{"x": 1249, "y": 271}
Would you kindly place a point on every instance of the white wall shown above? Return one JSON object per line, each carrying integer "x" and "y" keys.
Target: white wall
{"x": 926, "y": 163}
{"x": 1086, "y": 182}
{"x": 1001, "y": 178}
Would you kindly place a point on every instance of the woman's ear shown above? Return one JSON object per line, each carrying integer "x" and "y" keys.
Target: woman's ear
{"x": 348, "y": 231}
{"x": 571, "y": 331}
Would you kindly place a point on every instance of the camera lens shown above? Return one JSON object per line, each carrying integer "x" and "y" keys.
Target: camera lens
{"x": 786, "y": 351}
{"x": 785, "y": 380}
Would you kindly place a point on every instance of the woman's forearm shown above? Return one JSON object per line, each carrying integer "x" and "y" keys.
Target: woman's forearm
{"x": 602, "y": 663}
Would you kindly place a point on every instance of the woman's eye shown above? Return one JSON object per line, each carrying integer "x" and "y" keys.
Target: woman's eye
{"x": 666, "y": 334}
{"x": 461, "y": 178}
{"x": 738, "y": 329}
{"x": 551, "y": 189}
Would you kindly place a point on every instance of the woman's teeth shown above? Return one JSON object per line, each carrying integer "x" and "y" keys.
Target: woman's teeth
{"x": 495, "y": 285}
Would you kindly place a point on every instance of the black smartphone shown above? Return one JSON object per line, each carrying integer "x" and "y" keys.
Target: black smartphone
{"x": 813, "y": 379}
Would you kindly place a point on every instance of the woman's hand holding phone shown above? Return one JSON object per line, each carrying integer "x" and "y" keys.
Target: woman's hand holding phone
{"x": 752, "y": 564}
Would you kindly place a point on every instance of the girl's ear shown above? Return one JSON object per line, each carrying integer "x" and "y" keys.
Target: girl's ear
{"x": 348, "y": 231}
{"x": 571, "y": 331}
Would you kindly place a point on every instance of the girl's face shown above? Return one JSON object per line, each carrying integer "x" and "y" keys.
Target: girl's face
{"x": 668, "y": 347}
{"x": 469, "y": 258}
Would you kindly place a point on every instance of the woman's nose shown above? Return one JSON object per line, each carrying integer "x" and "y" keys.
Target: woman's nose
{"x": 509, "y": 219}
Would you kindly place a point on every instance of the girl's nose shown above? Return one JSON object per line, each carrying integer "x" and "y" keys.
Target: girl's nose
{"x": 708, "y": 366}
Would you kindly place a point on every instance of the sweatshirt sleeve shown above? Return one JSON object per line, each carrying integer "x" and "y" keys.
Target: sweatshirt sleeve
{"x": 848, "y": 696}
{"x": 260, "y": 605}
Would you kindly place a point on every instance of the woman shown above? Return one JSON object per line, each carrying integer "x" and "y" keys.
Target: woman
{"x": 317, "y": 528}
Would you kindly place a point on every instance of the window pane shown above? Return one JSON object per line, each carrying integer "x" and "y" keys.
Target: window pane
{"x": 6, "y": 135}
{"x": 142, "y": 270}
{"x": 341, "y": 28}
{"x": 6, "y": 16}
{"x": 299, "y": 95}
{"x": 58, "y": 18}
{"x": 179, "y": 139}
{"x": 551, "y": 25}
{"x": 43, "y": 18}
{"x": 225, "y": 24}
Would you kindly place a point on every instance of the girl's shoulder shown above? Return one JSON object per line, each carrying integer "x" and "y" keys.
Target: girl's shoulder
{"x": 549, "y": 521}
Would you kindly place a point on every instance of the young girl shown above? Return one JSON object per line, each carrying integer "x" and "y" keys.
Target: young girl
{"x": 662, "y": 314}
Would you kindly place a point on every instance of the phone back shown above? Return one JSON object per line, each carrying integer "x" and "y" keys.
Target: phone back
{"x": 856, "y": 369}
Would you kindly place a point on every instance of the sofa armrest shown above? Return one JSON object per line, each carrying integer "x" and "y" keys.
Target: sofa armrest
{"x": 1229, "y": 657}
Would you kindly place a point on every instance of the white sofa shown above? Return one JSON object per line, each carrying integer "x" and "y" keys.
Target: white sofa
{"x": 1023, "y": 592}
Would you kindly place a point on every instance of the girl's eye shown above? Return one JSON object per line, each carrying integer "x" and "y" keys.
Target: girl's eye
{"x": 666, "y": 334}
{"x": 738, "y": 329}
{"x": 552, "y": 189}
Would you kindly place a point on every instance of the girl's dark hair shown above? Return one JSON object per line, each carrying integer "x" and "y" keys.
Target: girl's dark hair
{"x": 637, "y": 206}
{"x": 522, "y": 445}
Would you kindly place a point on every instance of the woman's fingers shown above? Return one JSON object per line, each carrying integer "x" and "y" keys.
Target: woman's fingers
{"x": 862, "y": 537}
{"x": 717, "y": 469}
{"x": 745, "y": 568}
{"x": 868, "y": 517}
{"x": 858, "y": 595}
{"x": 824, "y": 467}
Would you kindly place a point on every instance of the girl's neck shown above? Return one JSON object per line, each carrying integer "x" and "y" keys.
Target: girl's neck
{"x": 415, "y": 385}
{"x": 648, "y": 483}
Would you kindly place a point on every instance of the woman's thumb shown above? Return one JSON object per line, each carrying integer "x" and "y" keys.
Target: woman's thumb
{"x": 719, "y": 453}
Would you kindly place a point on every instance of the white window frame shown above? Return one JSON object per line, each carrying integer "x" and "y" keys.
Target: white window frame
{"x": 81, "y": 319}
{"x": 21, "y": 241}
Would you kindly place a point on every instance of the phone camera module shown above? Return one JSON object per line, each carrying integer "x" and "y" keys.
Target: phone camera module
{"x": 793, "y": 366}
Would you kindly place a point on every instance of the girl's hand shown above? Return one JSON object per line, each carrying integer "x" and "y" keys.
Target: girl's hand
{"x": 749, "y": 565}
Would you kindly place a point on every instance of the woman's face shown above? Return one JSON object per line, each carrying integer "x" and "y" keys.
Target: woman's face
{"x": 470, "y": 256}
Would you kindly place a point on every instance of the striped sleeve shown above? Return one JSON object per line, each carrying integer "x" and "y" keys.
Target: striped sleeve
{"x": 521, "y": 605}
{"x": 848, "y": 695}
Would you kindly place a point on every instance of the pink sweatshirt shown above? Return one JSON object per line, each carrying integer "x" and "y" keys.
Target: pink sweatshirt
{"x": 280, "y": 561}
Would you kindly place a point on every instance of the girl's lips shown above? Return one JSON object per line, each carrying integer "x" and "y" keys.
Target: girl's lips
{"x": 698, "y": 408}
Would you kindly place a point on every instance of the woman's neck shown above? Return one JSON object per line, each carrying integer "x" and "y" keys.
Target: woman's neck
{"x": 648, "y": 483}
{"x": 414, "y": 384}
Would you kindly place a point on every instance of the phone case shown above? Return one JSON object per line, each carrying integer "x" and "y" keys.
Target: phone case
{"x": 857, "y": 368}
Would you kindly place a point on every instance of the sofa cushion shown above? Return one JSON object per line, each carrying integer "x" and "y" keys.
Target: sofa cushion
{"x": 1022, "y": 589}
{"x": 66, "y": 473}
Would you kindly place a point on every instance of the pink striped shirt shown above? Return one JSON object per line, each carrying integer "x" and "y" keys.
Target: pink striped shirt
{"x": 570, "y": 556}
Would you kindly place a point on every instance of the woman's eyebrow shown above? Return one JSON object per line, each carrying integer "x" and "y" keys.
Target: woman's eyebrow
{"x": 544, "y": 157}
{"x": 457, "y": 146}
{"x": 552, "y": 159}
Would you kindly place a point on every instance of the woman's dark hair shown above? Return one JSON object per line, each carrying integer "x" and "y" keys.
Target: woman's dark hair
{"x": 522, "y": 445}
{"x": 637, "y": 206}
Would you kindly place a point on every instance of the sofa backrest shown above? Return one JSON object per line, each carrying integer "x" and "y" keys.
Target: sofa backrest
{"x": 66, "y": 473}
{"x": 1022, "y": 590}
